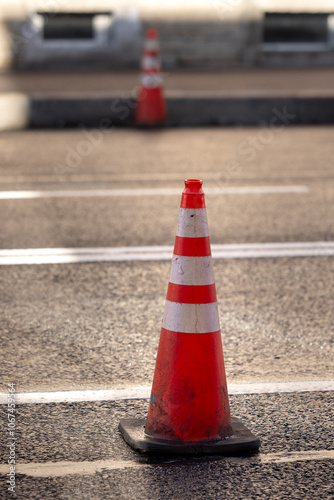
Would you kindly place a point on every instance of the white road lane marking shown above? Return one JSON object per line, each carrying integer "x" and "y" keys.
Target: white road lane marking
{"x": 297, "y": 456}
{"x": 32, "y": 256}
{"x": 68, "y": 468}
{"x": 20, "y": 195}
{"x": 211, "y": 176}
{"x": 143, "y": 392}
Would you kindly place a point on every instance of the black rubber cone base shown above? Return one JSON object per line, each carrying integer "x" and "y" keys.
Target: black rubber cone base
{"x": 241, "y": 441}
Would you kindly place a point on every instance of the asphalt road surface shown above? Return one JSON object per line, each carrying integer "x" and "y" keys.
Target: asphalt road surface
{"x": 95, "y": 326}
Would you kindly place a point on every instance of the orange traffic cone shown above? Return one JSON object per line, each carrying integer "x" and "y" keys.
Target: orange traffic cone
{"x": 189, "y": 408}
{"x": 151, "y": 106}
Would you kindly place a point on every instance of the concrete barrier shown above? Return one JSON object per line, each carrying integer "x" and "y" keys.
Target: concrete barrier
{"x": 14, "y": 111}
{"x": 184, "y": 111}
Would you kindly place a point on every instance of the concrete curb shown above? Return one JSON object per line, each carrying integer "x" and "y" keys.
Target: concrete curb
{"x": 185, "y": 111}
{"x": 73, "y": 112}
{"x": 251, "y": 111}
{"x": 109, "y": 112}
{"x": 14, "y": 111}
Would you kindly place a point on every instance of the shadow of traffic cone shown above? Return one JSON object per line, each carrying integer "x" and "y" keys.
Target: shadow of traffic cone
{"x": 189, "y": 407}
{"x": 151, "y": 105}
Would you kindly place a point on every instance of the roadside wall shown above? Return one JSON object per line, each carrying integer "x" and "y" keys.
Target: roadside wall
{"x": 193, "y": 34}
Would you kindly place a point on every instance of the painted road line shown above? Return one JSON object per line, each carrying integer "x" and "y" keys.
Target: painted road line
{"x": 32, "y": 256}
{"x": 25, "y": 195}
{"x": 73, "y": 177}
{"x": 212, "y": 177}
{"x": 68, "y": 468}
{"x": 140, "y": 392}
{"x": 297, "y": 456}
{"x": 79, "y": 255}
{"x": 61, "y": 469}
{"x": 143, "y": 392}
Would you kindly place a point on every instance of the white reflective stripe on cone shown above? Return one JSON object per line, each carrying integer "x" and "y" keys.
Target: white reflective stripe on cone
{"x": 191, "y": 318}
{"x": 152, "y": 81}
{"x": 192, "y": 223}
{"x": 192, "y": 270}
{"x": 150, "y": 62}
{"x": 152, "y": 45}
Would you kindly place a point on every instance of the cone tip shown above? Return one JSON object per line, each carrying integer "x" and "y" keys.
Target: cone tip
{"x": 151, "y": 33}
{"x": 193, "y": 186}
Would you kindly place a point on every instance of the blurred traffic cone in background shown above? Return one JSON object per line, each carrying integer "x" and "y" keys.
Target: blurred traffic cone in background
{"x": 189, "y": 407}
{"x": 151, "y": 105}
